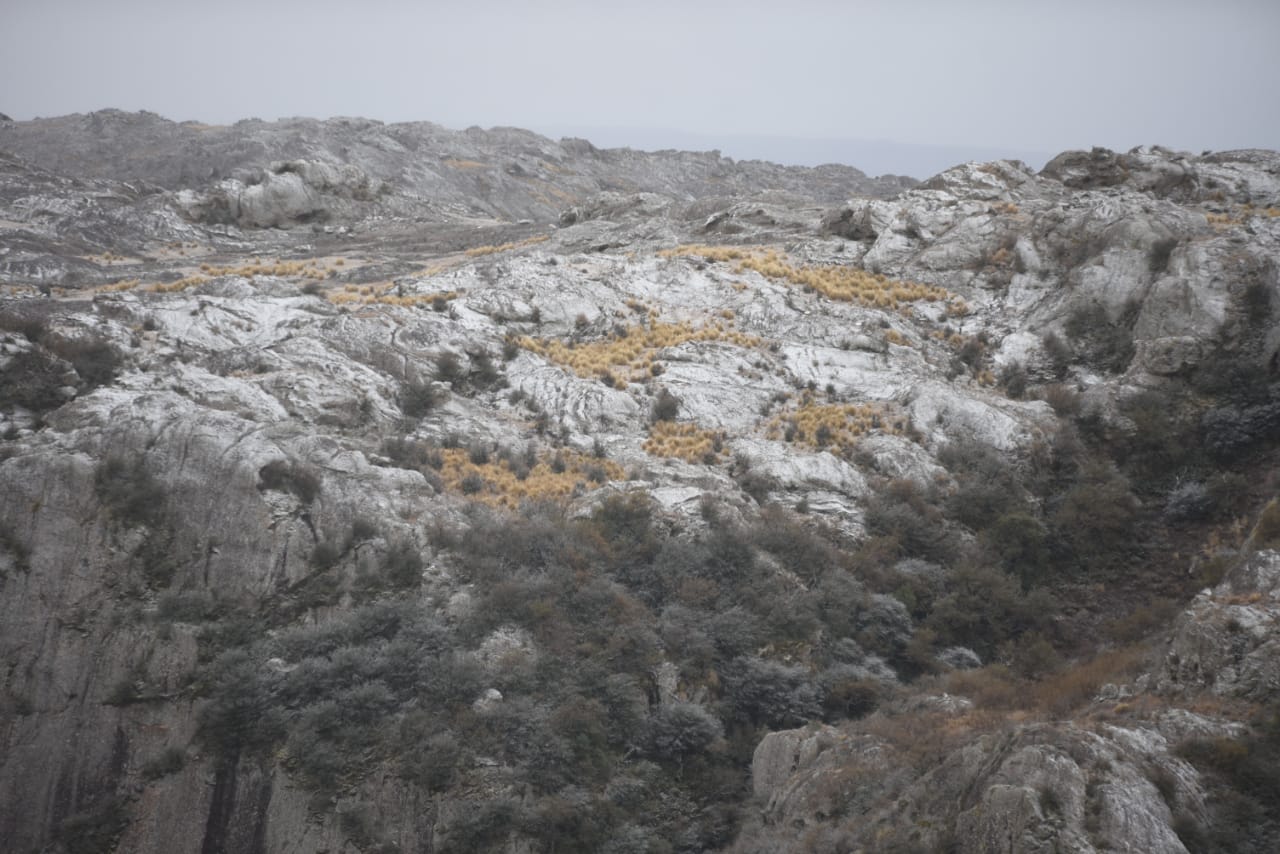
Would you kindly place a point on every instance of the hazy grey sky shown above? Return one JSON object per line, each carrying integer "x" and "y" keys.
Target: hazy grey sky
{"x": 995, "y": 74}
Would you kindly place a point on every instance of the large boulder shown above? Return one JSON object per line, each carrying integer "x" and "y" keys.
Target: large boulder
{"x": 287, "y": 194}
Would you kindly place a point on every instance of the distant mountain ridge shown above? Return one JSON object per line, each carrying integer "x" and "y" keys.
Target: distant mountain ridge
{"x": 884, "y": 157}
{"x": 507, "y": 173}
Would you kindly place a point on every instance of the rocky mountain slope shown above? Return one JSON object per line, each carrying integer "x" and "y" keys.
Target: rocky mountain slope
{"x": 630, "y": 502}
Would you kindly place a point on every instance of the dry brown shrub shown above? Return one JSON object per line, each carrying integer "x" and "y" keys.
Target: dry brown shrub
{"x": 1077, "y": 685}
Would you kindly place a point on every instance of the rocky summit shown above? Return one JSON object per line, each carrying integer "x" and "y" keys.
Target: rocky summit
{"x": 390, "y": 488}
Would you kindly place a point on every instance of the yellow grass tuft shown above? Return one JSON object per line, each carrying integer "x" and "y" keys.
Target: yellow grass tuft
{"x": 630, "y": 354}
{"x": 381, "y": 295}
{"x": 458, "y": 163}
{"x": 116, "y": 287}
{"x": 477, "y": 251}
{"x": 501, "y": 487}
{"x": 845, "y": 284}
{"x": 835, "y": 426}
{"x": 685, "y": 441}
{"x": 179, "y": 285}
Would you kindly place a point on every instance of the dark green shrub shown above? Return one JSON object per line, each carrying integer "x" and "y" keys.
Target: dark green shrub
{"x": 917, "y": 528}
{"x": 170, "y": 761}
{"x": 756, "y": 484}
{"x": 1058, "y": 352}
{"x": 770, "y": 694}
{"x": 1021, "y": 543}
{"x": 413, "y": 454}
{"x": 848, "y": 693}
{"x": 432, "y": 763}
{"x": 1188, "y": 502}
{"x": 483, "y": 826}
{"x": 191, "y": 606}
{"x": 357, "y": 823}
{"x": 125, "y": 692}
{"x": 96, "y": 361}
{"x": 128, "y": 491}
{"x": 666, "y": 406}
{"x": 1064, "y": 400}
{"x": 801, "y": 548}
{"x": 1107, "y": 343}
{"x": 980, "y": 609}
{"x": 484, "y": 373}
{"x": 624, "y": 524}
{"x": 1159, "y": 254}
{"x": 242, "y": 715}
{"x": 17, "y": 550}
{"x": 1228, "y": 432}
{"x": 1266, "y": 534}
{"x": 363, "y": 529}
{"x": 418, "y": 398}
{"x": 326, "y": 554}
{"x": 402, "y": 565}
{"x": 30, "y": 320}
{"x": 290, "y": 476}
{"x": 1013, "y": 379}
{"x": 32, "y": 380}
{"x": 1096, "y": 520}
{"x": 94, "y": 830}
{"x": 979, "y": 502}
{"x": 449, "y": 368}
{"x": 1160, "y": 444}
{"x": 1255, "y": 302}
{"x": 678, "y": 729}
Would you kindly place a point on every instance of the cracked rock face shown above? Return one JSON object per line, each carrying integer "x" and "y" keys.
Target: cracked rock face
{"x": 285, "y": 323}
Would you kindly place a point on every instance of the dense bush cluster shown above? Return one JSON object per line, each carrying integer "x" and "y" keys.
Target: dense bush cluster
{"x": 1244, "y": 814}
{"x": 765, "y": 625}
{"x": 128, "y": 490}
{"x": 291, "y": 476}
{"x": 35, "y": 378}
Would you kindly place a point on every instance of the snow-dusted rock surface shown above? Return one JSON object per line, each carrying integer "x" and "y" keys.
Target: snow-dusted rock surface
{"x": 282, "y": 348}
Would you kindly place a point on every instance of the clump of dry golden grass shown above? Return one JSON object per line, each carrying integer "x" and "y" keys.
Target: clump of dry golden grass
{"x": 922, "y": 737}
{"x": 710, "y": 253}
{"x": 116, "y": 287}
{"x": 835, "y": 426}
{"x": 685, "y": 441}
{"x": 552, "y": 477}
{"x": 381, "y": 295}
{"x": 311, "y": 269}
{"x": 845, "y": 284}
{"x": 477, "y": 251}
{"x": 179, "y": 285}
{"x": 459, "y": 163}
{"x": 1055, "y": 694}
{"x": 630, "y": 354}
{"x": 1238, "y": 215}
{"x": 1266, "y": 534}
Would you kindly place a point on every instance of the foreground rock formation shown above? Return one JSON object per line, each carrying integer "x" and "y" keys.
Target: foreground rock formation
{"x": 264, "y": 385}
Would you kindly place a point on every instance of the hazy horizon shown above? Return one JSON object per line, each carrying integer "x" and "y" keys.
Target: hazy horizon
{"x": 904, "y": 88}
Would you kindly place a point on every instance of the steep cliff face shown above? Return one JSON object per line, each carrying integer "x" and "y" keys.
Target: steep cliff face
{"x": 265, "y": 587}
